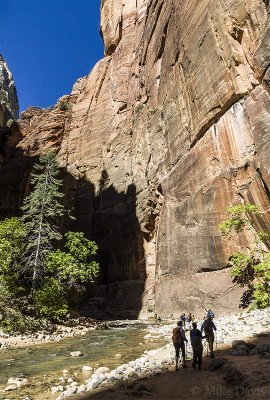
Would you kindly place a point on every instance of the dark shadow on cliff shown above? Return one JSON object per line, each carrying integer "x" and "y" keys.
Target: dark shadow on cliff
{"x": 109, "y": 218}
{"x": 15, "y": 167}
{"x": 103, "y": 214}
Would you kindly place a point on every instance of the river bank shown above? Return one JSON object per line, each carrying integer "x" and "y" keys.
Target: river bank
{"x": 244, "y": 326}
{"x": 56, "y": 332}
{"x": 144, "y": 363}
{"x": 239, "y": 377}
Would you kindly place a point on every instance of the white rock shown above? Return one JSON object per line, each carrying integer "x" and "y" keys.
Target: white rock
{"x": 81, "y": 389}
{"x": 11, "y": 387}
{"x": 73, "y": 384}
{"x": 70, "y": 380}
{"x": 76, "y": 354}
{"x": 118, "y": 356}
{"x": 55, "y": 389}
{"x": 101, "y": 370}
{"x": 87, "y": 368}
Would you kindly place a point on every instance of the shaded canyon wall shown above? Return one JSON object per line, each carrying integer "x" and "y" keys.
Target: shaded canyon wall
{"x": 166, "y": 131}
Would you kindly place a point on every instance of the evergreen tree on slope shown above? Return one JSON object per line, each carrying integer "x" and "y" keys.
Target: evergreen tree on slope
{"x": 41, "y": 211}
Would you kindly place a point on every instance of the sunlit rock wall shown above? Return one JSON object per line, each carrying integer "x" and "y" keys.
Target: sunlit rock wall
{"x": 167, "y": 130}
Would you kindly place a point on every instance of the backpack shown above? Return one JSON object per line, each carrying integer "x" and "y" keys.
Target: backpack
{"x": 208, "y": 329}
{"x": 176, "y": 335}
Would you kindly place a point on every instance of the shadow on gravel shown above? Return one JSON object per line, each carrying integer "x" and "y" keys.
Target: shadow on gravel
{"x": 240, "y": 377}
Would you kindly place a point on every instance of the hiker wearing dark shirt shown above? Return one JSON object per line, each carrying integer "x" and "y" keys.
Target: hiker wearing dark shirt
{"x": 197, "y": 347}
{"x": 179, "y": 339}
{"x": 208, "y": 326}
{"x": 183, "y": 319}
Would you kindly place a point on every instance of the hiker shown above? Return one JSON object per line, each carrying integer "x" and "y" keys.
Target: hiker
{"x": 190, "y": 319}
{"x": 210, "y": 312}
{"x": 208, "y": 326}
{"x": 179, "y": 339}
{"x": 183, "y": 319}
{"x": 197, "y": 347}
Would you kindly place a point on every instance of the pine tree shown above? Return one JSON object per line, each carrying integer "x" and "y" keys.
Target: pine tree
{"x": 41, "y": 211}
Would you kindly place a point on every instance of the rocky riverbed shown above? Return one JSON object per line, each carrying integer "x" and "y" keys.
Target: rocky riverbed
{"x": 234, "y": 333}
{"x": 231, "y": 330}
{"x": 56, "y": 332}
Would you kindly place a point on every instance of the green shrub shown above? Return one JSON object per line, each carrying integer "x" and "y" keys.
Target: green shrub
{"x": 149, "y": 308}
{"x": 251, "y": 268}
{"x": 139, "y": 107}
{"x": 10, "y": 122}
{"x": 15, "y": 322}
{"x": 3, "y": 96}
{"x": 50, "y": 300}
{"x": 63, "y": 105}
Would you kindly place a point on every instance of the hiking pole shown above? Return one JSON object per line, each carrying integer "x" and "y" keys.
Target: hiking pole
{"x": 216, "y": 342}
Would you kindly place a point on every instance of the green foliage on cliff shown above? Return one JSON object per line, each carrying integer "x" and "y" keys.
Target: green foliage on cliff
{"x": 253, "y": 266}
{"x": 32, "y": 260}
{"x": 63, "y": 105}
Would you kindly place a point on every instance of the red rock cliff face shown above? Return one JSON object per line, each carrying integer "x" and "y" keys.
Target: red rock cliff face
{"x": 168, "y": 129}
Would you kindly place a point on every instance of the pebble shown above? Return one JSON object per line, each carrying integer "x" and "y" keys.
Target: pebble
{"x": 76, "y": 354}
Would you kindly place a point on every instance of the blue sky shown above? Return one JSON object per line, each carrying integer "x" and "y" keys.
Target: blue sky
{"x": 48, "y": 45}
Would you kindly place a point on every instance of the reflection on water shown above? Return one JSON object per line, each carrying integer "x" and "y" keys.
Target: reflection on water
{"x": 51, "y": 358}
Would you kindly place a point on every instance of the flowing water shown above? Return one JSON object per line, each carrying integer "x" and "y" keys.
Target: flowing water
{"x": 42, "y": 364}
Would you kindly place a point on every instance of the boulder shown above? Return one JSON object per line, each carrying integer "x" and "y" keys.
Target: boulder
{"x": 239, "y": 353}
{"x": 264, "y": 348}
{"x": 216, "y": 363}
{"x": 238, "y": 342}
{"x": 254, "y": 351}
{"x": 101, "y": 370}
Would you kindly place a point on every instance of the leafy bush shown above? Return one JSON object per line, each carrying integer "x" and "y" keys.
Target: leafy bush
{"x": 15, "y": 322}
{"x": 149, "y": 308}
{"x": 63, "y": 105}
{"x": 253, "y": 267}
{"x": 3, "y": 96}
{"x": 139, "y": 107}
{"x": 10, "y": 122}
{"x": 76, "y": 266}
{"x": 12, "y": 235}
{"x": 50, "y": 300}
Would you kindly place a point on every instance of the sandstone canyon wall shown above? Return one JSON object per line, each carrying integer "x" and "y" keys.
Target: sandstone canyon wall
{"x": 9, "y": 105}
{"x": 166, "y": 131}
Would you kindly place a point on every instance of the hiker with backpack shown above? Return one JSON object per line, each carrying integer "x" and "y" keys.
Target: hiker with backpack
{"x": 190, "y": 319}
{"x": 179, "y": 339}
{"x": 208, "y": 326}
{"x": 197, "y": 347}
{"x": 210, "y": 312}
{"x": 183, "y": 319}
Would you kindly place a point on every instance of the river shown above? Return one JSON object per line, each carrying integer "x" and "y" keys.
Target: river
{"x": 42, "y": 364}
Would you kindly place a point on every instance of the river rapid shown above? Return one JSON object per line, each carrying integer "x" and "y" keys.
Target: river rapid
{"x": 43, "y": 364}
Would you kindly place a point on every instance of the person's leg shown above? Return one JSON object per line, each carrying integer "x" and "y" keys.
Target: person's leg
{"x": 211, "y": 345}
{"x": 177, "y": 348}
{"x": 195, "y": 355}
{"x": 183, "y": 351}
{"x": 199, "y": 358}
